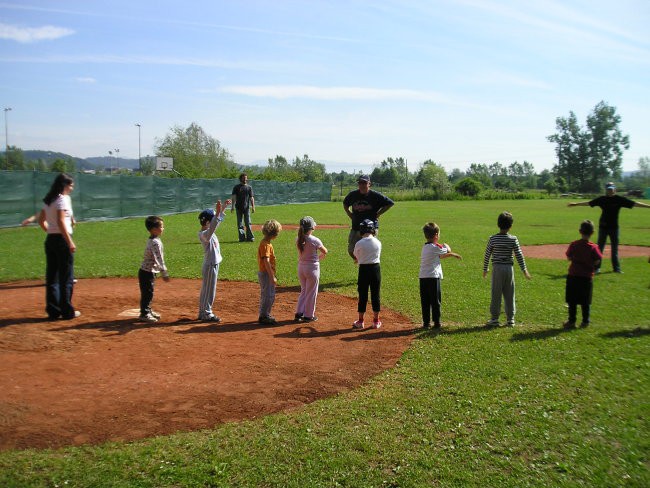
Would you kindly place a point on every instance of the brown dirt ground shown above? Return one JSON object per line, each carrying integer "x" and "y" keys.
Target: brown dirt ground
{"x": 104, "y": 377}
{"x": 558, "y": 251}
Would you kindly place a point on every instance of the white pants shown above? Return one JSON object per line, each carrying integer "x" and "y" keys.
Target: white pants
{"x": 309, "y": 276}
{"x": 208, "y": 290}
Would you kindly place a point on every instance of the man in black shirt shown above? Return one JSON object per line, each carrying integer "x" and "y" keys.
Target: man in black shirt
{"x": 611, "y": 204}
{"x": 362, "y": 204}
{"x": 243, "y": 201}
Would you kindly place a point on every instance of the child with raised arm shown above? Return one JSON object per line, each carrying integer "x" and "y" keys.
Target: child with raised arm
{"x": 367, "y": 253}
{"x": 266, "y": 271}
{"x": 585, "y": 258}
{"x": 501, "y": 248}
{"x": 310, "y": 252}
{"x": 431, "y": 274}
{"x": 210, "y": 220}
{"x": 152, "y": 263}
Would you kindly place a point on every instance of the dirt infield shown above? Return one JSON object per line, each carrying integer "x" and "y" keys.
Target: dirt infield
{"x": 104, "y": 377}
{"x": 558, "y": 251}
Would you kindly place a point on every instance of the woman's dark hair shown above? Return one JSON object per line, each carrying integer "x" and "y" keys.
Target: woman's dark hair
{"x": 59, "y": 183}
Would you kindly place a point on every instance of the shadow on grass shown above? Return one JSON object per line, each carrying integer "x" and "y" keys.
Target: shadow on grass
{"x": 627, "y": 334}
{"x": 431, "y": 331}
{"x": 540, "y": 334}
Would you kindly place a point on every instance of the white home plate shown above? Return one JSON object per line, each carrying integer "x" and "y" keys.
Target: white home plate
{"x": 132, "y": 312}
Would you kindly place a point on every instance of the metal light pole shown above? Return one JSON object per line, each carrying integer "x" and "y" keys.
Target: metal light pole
{"x": 7, "y": 109}
{"x": 117, "y": 161}
{"x": 139, "y": 146}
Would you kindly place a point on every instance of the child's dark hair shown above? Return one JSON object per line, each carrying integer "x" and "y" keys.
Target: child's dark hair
{"x": 430, "y": 230}
{"x": 152, "y": 222}
{"x": 505, "y": 220}
{"x": 306, "y": 224}
{"x": 271, "y": 228}
{"x": 60, "y": 182}
{"x": 587, "y": 227}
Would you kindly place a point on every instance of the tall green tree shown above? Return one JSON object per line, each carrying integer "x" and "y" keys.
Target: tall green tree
{"x": 196, "y": 154}
{"x": 13, "y": 159}
{"x": 433, "y": 176}
{"x": 588, "y": 156}
{"x": 61, "y": 165}
{"x": 309, "y": 169}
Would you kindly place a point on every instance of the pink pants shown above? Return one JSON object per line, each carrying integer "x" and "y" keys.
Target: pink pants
{"x": 309, "y": 276}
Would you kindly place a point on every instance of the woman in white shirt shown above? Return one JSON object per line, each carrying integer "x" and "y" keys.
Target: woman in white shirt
{"x": 57, "y": 219}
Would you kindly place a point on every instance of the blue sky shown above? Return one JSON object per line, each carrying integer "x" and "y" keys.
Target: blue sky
{"x": 349, "y": 83}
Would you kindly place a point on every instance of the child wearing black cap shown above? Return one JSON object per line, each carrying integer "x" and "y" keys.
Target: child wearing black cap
{"x": 367, "y": 252}
{"x": 210, "y": 220}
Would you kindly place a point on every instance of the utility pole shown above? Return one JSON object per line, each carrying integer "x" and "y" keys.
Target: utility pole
{"x": 7, "y": 109}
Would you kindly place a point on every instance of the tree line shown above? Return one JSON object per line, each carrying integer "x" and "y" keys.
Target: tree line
{"x": 586, "y": 157}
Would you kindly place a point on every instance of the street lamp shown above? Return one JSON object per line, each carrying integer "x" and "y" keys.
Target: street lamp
{"x": 7, "y": 109}
{"x": 139, "y": 146}
{"x": 117, "y": 161}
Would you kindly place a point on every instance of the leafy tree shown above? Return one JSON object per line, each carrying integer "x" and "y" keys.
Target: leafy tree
{"x": 456, "y": 175}
{"x": 13, "y": 159}
{"x": 60, "y": 165}
{"x": 392, "y": 171}
{"x": 588, "y": 156}
{"x": 469, "y": 187}
{"x": 36, "y": 165}
{"x": 434, "y": 176}
{"x": 280, "y": 169}
{"x": 147, "y": 165}
{"x": 309, "y": 169}
{"x": 195, "y": 153}
{"x": 551, "y": 186}
{"x": 480, "y": 173}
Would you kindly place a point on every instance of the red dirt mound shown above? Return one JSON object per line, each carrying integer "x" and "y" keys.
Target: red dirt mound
{"x": 104, "y": 377}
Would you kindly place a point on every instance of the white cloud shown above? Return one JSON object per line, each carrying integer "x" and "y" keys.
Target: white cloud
{"x": 33, "y": 34}
{"x": 333, "y": 93}
{"x": 85, "y": 79}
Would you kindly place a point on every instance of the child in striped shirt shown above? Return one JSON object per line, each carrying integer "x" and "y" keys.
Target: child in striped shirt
{"x": 501, "y": 247}
{"x": 152, "y": 263}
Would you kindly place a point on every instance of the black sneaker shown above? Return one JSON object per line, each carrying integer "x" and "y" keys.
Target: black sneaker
{"x": 309, "y": 319}
{"x": 298, "y": 317}
{"x": 569, "y": 324}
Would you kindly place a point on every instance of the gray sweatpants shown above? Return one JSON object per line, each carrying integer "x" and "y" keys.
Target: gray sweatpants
{"x": 503, "y": 284}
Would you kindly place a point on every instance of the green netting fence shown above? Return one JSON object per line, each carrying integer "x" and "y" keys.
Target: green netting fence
{"x": 112, "y": 197}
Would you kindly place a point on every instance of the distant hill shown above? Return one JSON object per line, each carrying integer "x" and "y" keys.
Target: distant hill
{"x": 99, "y": 162}
{"x": 50, "y": 156}
{"x": 108, "y": 161}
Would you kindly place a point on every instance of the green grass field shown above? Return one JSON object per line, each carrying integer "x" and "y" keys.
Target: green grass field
{"x": 530, "y": 406}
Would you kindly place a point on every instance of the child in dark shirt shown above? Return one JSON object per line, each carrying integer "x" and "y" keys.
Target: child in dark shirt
{"x": 585, "y": 258}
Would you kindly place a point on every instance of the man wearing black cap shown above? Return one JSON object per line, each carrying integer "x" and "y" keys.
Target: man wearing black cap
{"x": 362, "y": 204}
{"x": 611, "y": 204}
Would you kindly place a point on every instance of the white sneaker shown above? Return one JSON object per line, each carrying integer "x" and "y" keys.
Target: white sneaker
{"x": 358, "y": 324}
{"x": 148, "y": 318}
{"x": 155, "y": 315}
{"x": 510, "y": 323}
{"x": 492, "y": 323}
